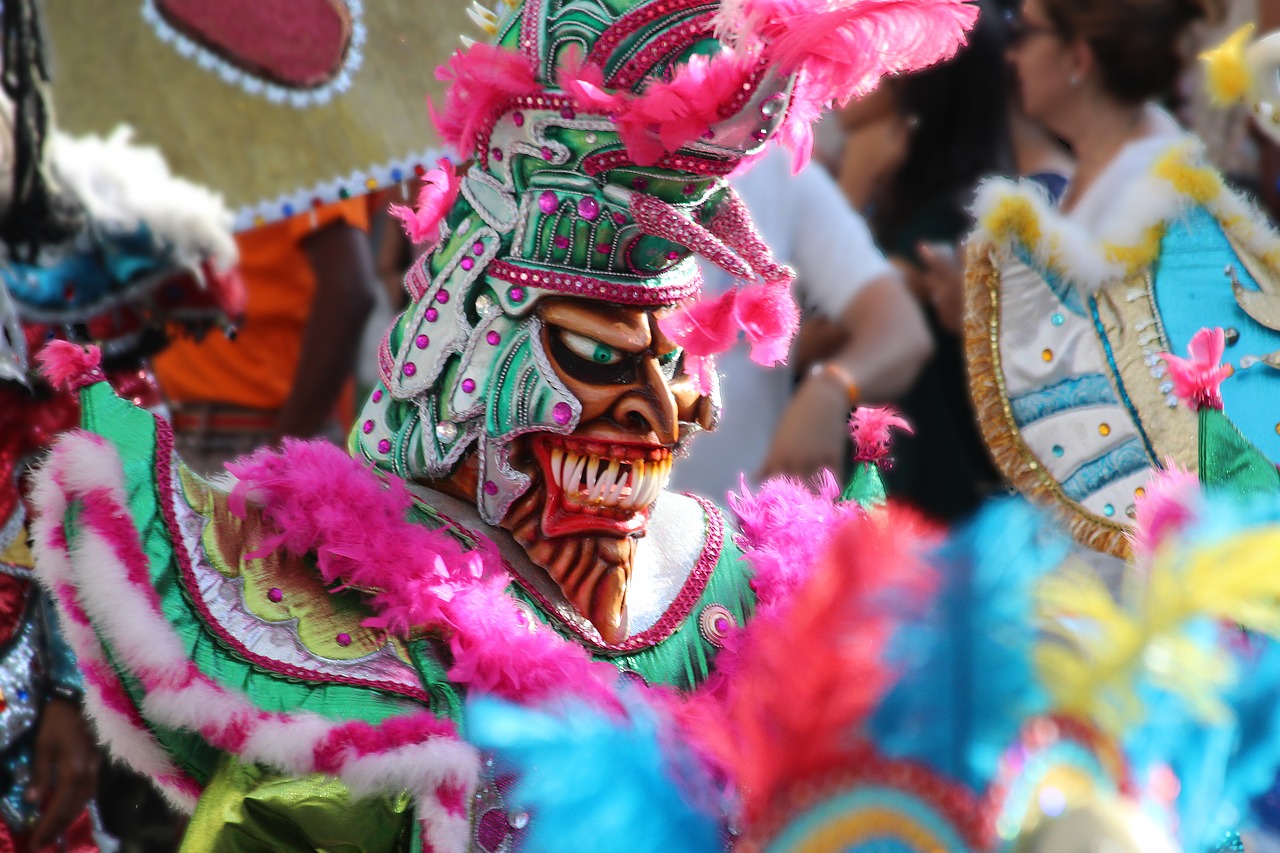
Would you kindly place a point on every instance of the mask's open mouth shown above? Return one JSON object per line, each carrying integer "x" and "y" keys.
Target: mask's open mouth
{"x": 599, "y": 487}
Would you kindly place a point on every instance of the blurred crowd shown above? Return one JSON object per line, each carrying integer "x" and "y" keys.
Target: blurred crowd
{"x": 1077, "y": 96}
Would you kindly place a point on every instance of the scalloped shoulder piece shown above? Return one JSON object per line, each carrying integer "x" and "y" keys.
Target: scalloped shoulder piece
{"x": 274, "y": 610}
{"x": 102, "y": 551}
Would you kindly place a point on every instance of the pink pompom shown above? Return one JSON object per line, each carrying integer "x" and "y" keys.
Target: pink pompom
{"x": 871, "y": 428}
{"x": 439, "y": 191}
{"x": 770, "y": 317}
{"x": 1169, "y": 502}
{"x": 705, "y": 327}
{"x": 1197, "y": 380}
{"x": 69, "y": 367}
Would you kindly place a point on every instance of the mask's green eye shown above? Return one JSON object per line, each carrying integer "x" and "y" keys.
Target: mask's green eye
{"x": 670, "y": 358}
{"x": 589, "y": 348}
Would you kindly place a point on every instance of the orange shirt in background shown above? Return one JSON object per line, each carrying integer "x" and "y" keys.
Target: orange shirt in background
{"x": 256, "y": 370}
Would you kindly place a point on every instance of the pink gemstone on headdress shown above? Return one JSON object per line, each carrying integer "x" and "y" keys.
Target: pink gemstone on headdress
{"x": 493, "y": 338}
{"x": 516, "y": 294}
{"x": 547, "y": 202}
{"x": 490, "y": 487}
{"x": 546, "y": 153}
{"x": 588, "y": 208}
{"x": 422, "y": 341}
{"x": 518, "y": 119}
{"x": 367, "y": 427}
{"x": 673, "y": 255}
{"x": 344, "y": 639}
{"x": 477, "y": 248}
{"x": 432, "y": 315}
{"x": 689, "y": 189}
{"x": 377, "y": 396}
{"x": 443, "y": 296}
{"x": 384, "y": 446}
{"x": 496, "y": 155}
{"x": 619, "y": 219}
{"x": 562, "y": 242}
{"x": 409, "y": 369}
{"x": 562, "y": 412}
{"x": 640, "y": 184}
{"x": 567, "y": 112}
{"x": 276, "y": 595}
{"x": 603, "y": 248}
{"x": 468, "y": 385}
{"x": 467, "y": 264}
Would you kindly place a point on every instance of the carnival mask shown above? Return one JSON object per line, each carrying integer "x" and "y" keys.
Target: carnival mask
{"x": 594, "y": 488}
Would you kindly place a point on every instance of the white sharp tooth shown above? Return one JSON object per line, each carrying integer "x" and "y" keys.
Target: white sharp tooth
{"x": 601, "y": 483}
{"x": 637, "y": 484}
{"x": 614, "y": 495}
{"x": 574, "y": 477}
{"x": 557, "y": 459}
{"x": 467, "y": 41}
{"x": 609, "y": 480}
{"x": 593, "y": 473}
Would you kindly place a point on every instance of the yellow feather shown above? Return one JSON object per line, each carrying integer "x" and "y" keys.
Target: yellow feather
{"x": 1226, "y": 76}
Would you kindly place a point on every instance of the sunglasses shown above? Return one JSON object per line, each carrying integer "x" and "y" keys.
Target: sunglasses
{"x": 1018, "y": 31}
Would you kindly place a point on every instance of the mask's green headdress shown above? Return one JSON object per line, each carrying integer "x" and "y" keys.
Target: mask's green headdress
{"x": 601, "y": 133}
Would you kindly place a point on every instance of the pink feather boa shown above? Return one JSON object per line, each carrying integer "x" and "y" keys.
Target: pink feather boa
{"x": 423, "y": 580}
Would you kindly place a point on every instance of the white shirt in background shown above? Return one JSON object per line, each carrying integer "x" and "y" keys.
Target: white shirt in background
{"x": 808, "y": 223}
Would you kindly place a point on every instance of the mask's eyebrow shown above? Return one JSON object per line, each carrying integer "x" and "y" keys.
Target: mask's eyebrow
{"x": 623, "y": 330}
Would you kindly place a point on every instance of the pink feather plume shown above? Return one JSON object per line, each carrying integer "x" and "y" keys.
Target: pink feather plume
{"x": 439, "y": 191}
{"x": 1197, "y": 380}
{"x": 69, "y": 367}
{"x": 838, "y": 623}
{"x": 844, "y": 47}
{"x": 871, "y": 428}
{"x": 482, "y": 80}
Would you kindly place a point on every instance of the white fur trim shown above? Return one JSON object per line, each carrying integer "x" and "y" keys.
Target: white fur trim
{"x": 145, "y": 641}
{"x": 122, "y": 184}
{"x": 1140, "y": 206}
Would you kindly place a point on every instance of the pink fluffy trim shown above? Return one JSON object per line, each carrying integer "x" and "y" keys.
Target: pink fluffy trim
{"x": 423, "y": 580}
{"x": 69, "y": 367}
{"x": 102, "y": 578}
{"x": 439, "y": 191}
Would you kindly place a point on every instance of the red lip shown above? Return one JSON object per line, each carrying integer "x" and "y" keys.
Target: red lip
{"x": 562, "y": 517}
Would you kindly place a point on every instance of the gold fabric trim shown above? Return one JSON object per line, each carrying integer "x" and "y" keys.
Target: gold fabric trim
{"x": 995, "y": 417}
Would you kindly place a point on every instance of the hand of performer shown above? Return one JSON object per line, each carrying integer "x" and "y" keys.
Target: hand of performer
{"x": 943, "y": 281}
{"x": 65, "y": 772}
{"x": 812, "y": 433}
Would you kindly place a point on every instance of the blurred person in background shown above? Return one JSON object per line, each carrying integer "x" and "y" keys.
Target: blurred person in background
{"x": 799, "y": 429}
{"x": 310, "y": 283}
{"x": 914, "y": 154}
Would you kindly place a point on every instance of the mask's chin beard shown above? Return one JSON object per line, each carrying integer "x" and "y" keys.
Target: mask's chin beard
{"x": 582, "y": 516}
{"x": 593, "y": 571}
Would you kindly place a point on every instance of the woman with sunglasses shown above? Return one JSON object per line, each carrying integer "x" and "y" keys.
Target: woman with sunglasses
{"x": 1069, "y": 305}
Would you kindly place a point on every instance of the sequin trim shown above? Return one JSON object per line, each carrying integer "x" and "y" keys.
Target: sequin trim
{"x": 164, "y": 482}
{"x": 581, "y": 285}
{"x": 604, "y": 161}
{"x": 672, "y": 42}
{"x": 634, "y": 21}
